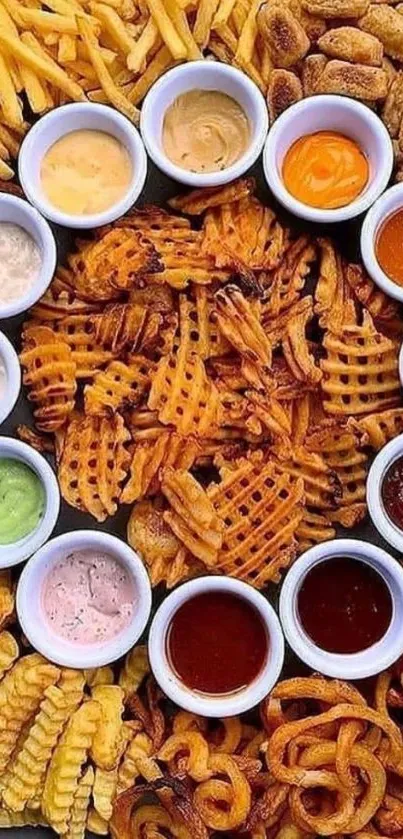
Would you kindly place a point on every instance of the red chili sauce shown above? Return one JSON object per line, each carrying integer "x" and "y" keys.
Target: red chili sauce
{"x": 392, "y": 492}
{"x": 344, "y": 605}
{"x": 217, "y": 643}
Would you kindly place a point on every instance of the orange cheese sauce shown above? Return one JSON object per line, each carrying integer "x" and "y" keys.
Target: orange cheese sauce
{"x": 325, "y": 170}
{"x": 389, "y": 247}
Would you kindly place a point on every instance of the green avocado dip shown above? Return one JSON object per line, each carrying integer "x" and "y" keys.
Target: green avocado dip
{"x": 22, "y": 500}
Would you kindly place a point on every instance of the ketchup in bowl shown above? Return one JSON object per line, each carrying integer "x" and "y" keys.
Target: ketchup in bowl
{"x": 216, "y": 643}
{"x": 344, "y": 605}
{"x": 392, "y": 492}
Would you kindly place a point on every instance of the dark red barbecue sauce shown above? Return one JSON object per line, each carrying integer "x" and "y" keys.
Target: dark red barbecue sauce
{"x": 392, "y": 492}
{"x": 217, "y": 643}
{"x": 344, "y": 605}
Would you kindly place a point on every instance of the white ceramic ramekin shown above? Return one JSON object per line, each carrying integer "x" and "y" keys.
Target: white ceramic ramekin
{"x": 198, "y": 703}
{"x": 385, "y": 206}
{"x": 30, "y": 609}
{"x": 12, "y": 384}
{"x": 329, "y": 113}
{"x": 203, "y": 75}
{"x": 356, "y": 665}
{"x": 391, "y": 452}
{"x": 62, "y": 121}
{"x": 18, "y": 551}
{"x": 17, "y": 211}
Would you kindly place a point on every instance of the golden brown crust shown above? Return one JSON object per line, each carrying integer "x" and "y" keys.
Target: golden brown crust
{"x": 336, "y": 8}
{"x": 392, "y": 111}
{"x": 283, "y": 34}
{"x": 350, "y": 44}
{"x": 356, "y": 80}
{"x": 312, "y": 70}
{"x": 284, "y": 90}
{"x": 387, "y": 25}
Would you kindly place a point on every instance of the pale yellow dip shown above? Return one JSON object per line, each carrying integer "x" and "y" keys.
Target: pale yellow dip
{"x": 86, "y": 172}
{"x": 205, "y": 131}
{"x": 20, "y": 262}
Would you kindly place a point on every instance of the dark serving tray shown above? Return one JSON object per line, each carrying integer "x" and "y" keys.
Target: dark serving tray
{"x": 158, "y": 189}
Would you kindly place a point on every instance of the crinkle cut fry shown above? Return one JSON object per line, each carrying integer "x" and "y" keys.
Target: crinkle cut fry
{"x": 264, "y": 505}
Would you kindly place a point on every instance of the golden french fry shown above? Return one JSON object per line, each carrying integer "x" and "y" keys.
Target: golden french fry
{"x": 78, "y": 816}
{"x": 223, "y": 12}
{"x": 114, "y": 26}
{"x": 180, "y": 22}
{"x": 167, "y": 30}
{"x": 116, "y": 97}
{"x": 9, "y": 102}
{"x": 161, "y": 62}
{"x": 147, "y": 41}
{"x": 204, "y": 20}
{"x": 246, "y": 43}
{"x": 67, "y": 50}
{"x": 45, "y": 68}
{"x": 6, "y": 172}
{"x": 34, "y": 89}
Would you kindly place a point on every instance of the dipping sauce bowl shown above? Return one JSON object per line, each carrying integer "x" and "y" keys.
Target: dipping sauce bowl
{"x": 259, "y": 620}
{"x": 385, "y": 520}
{"x": 15, "y": 552}
{"x": 36, "y": 620}
{"x": 16, "y": 211}
{"x": 203, "y": 76}
{"x": 386, "y": 206}
{"x": 10, "y": 377}
{"x": 340, "y": 115}
{"x": 58, "y": 124}
{"x": 388, "y": 645}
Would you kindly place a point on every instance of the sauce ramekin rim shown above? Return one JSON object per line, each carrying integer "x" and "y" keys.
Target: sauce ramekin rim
{"x": 208, "y": 179}
{"x": 16, "y": 552}
{"x": 381, "y": 463}
{"x": 30, "y": 149}
{"x": 45, "y": 240}
{"x": 374, "y": 219}
{"x": 194, "y": 701}
{"x": 339, "y": 665}
{"x": 363, "y": 201}
{"x": 51, "y": 645}
{"x": 9, "y": 358}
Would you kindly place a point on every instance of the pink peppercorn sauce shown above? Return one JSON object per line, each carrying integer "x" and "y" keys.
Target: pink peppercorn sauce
{"x": 88, "y": 597}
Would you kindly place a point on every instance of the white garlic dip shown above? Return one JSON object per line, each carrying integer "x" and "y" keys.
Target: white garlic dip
{"x": 20, "y": 262}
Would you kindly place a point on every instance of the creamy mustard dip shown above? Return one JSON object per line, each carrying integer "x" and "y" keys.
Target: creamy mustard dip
{"x": 205, "y": 131}
{"x": 86, "y": 172}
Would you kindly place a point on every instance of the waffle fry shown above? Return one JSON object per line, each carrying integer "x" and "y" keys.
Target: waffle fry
{"x": 50, "y": 375}
{"x": 153, "y": 539}
{"x": 289, "y": 279}
{"x": 64, "y": 770}
{"x": 89, "y": 357}
{"x": 94, "y": 464}
{"x": 192, "y": 517}
{"x": 242, "y": 329}
{"x": 119, "y": 387}
{"x": 183, "y": 395}
{"x": 104, "y": 268}
{"x": 382, "y": 427}
{"x": 360, "y": 370}
{"x": 274, "y": 504}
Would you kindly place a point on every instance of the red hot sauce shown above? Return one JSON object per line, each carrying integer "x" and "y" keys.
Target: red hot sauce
{"x": 392, "y": 492}
{"x": 217, "y": 643}
{"x": 344, "y": 605}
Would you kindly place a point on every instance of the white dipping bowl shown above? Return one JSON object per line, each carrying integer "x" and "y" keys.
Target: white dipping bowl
{"x": 30, "y": 609}
{"x": 385, "y": 206}
{"x": 17, "y": 211}
{"x": 329, "y": 113}
{"x": 203, "y": 75}
{"x": 214, "y": 705}
{"x": 18, "y": 551}
{"x": 12, "y": 385}
{"x": 341, "y": 666}
{"x": 384, "y": 525}
{"x": 65, "y": 120}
